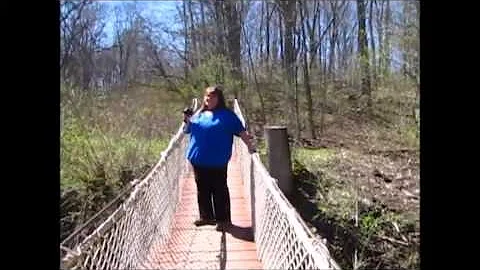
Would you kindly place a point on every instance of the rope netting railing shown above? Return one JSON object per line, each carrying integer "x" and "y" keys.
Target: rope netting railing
{"x": 123, "y": 240}
{"x": 282, "y": 239}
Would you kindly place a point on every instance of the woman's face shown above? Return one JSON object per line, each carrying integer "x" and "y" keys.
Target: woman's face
{"x": 210, "y": 99}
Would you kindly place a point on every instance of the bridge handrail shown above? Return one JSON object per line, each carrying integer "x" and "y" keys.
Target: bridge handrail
{"x": 282, "y": 238}
{"x": 95, "y": 251}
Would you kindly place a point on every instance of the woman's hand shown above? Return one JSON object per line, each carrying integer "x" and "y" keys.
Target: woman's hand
{"x": 187, "y": 113}
{"x": 248, "y": 140}
{"x": 186, "y": 118}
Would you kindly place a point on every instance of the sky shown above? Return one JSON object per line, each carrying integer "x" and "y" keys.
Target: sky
{"x": 163, "y": 11}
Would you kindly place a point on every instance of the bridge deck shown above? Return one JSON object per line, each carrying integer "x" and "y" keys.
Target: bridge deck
{"x": 191, "y": 247}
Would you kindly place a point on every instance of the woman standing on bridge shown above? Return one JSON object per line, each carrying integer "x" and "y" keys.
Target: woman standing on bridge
{"x": 209, "y": 151}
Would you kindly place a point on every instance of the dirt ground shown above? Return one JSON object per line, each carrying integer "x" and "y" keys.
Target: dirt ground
{"x": 387, "y": 171}
{"x": 384, "y": 172}
{"x": 380, "y": 167}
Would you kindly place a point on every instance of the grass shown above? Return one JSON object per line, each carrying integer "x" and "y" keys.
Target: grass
{"x": 315, "y": 157}
{"x": 83, "y": 151}
{"x": 107, "y": 141}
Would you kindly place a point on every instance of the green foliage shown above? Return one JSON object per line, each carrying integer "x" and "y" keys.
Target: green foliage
{"x": 84, "y": 151}
{"x": 101, "y": 134}
{"x": 315, "y": 157}
{"x": 213, "y": 70}
{"x": 107, "y": 140}
{"x": 262, "y": 152}
{"x": 309, "y": 167}
{"x": 370, "y": 222}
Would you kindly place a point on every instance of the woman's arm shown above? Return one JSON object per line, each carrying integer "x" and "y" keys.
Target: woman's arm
{"x": 247, "y": 139}
{"x": 186, "y": 128}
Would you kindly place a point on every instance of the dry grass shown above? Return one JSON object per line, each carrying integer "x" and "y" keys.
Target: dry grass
{"x": 107, "y": 141}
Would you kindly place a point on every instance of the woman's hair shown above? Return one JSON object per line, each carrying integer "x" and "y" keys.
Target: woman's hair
{"x": 218, "y": 91}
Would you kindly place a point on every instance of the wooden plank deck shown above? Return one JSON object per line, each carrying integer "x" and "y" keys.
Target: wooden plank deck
{"x": 191, "y": 247}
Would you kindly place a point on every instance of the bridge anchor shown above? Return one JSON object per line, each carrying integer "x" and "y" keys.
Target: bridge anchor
{"x": 279, "y": 163}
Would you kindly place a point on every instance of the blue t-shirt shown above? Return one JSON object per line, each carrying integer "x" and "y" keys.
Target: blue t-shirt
{"x": 211, "y": 137}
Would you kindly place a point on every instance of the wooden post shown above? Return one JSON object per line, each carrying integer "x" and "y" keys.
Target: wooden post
{"x": 278, "y": 151}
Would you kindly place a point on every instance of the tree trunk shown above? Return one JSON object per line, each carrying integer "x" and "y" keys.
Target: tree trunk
{"x": 280, "y": 35}
{"x": 333, "y": 37}
{"x": 260, "y": 35}
{"x": 252, "y": 67}
{"x": 288, "y": 10}
{"x": 203, "y": 45}
{"x": 193, "y": 37}
{"x": 372, "y": 42}
{"x": 388, "y": 34}
{"x": 320, "y": 49}
{"x": 219, "y": 28}
{"x": 267, "y": 37}
{"x": 234, "y": 31}
{"x": 311, "y": 32}
{"x": 306, "y": 77}
{"x": 324, "y": 56}
{"x": 321, "y": 76}
{"x": 296, "y": 98}
{"x": 381, "y": 39}
{"x": 323, "y": 92}
{"x": 274, "y": 54}
{"x": 363, "y": 51}
{"x": 186, "y": 45}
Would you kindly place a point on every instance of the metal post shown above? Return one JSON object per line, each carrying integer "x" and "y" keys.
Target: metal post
{"x": 279, "y": 164}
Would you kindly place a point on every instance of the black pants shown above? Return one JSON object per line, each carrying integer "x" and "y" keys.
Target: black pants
{"x": 212, "y": 193}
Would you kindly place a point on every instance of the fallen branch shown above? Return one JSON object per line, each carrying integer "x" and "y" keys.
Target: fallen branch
{"x": 398, "y": 231}
{"x": 410, "y": 195}
{"x": 393, "y": 240}
{"x": 392, "y": 151}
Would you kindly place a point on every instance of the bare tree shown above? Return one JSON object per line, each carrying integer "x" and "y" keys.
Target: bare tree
{"x": 380, "y": 34}
{"x": 185, "y": 38}
{"x": 71, "y": 13}
{"x": 387, "y": 39}
{"x": 288, "y": 11}
{"x": 234, "y": 32}
{"x": 306, "y": 77}
{"x": 363, "y": 51}
{"x": 334, "y": 6}
{"x": 81, "y": 29}
{"x": 372, "y": 44}
{"x": 253, "y": 70}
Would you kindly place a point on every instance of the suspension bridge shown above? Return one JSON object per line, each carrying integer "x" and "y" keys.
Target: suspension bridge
{"x": 153, "y": 228}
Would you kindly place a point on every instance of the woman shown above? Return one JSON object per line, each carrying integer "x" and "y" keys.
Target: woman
{"x": 209, "y": 151}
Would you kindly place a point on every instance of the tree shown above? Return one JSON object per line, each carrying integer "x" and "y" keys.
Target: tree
{"x": 234, "y": 32}
{"x": 363, "y": 52}
{"x": 306, "y": 66}
{"x": 288, "y": 11}
{"x": 372, "y": 42}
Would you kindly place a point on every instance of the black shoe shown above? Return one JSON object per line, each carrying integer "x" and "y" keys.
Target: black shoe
{"x": 202, "y": 222}
{"x": 223, "y": 226}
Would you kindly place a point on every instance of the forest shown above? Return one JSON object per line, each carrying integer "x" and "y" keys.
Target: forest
{"x": 342, "y": 76}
